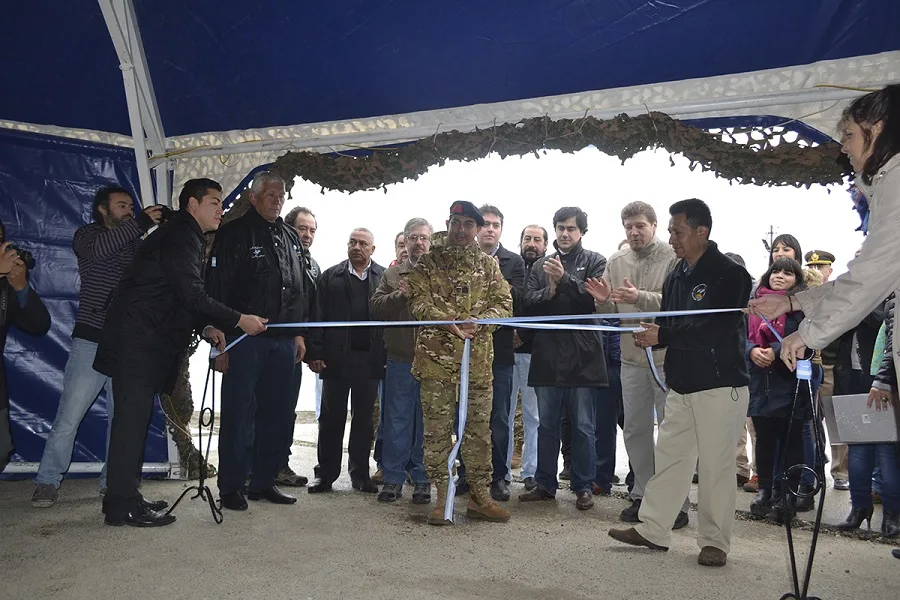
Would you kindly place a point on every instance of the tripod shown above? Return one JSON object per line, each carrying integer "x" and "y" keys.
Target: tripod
{"x": 207, "y": 420}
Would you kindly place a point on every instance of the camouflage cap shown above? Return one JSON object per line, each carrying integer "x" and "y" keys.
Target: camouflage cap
{"x": 467, "y": 209}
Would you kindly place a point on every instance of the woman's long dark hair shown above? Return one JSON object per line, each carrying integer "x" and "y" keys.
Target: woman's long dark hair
{"x": 786, "y": 265}
{"x": 882, "y": 106}
{"x": 786, "y": 239}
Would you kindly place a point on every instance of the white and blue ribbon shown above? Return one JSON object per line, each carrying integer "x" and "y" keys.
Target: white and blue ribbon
{"x": 461, "y": 427}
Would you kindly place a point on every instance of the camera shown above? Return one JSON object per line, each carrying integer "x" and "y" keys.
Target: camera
{"x": 24, "y": 255}
{"x": 164, "y": 213}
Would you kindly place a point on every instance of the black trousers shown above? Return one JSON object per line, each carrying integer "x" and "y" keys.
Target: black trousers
{"x": 134, "y": 393}
{"x": 333, "y": 417}
{"x": 771, "y": 445}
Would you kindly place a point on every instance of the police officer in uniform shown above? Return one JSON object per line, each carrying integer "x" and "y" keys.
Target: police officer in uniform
{"x": 457, "y": 281}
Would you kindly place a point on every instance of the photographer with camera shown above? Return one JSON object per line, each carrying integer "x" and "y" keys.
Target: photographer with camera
{"x": 20, "y": 306}
{"x": 159, "y": 302}
{"x": 104, "y": 249}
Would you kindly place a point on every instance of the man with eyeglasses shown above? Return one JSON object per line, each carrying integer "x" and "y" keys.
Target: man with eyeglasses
{"x": 402, "y": 450}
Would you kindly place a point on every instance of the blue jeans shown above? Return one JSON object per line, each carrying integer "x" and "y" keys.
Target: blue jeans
{"x": 81, "y": 386}
{"x": 580, "y": 405}
{"x": 605, "y": 428}
{"x": 529, "y": 417}
{"x": 402, "y": 449}
{"x": 862, "y": 459}
{"x": 257, "y": 400}
{"x": 503, "y": 383}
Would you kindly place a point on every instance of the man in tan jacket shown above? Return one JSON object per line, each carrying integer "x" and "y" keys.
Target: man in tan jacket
{"x": 633, "y": 282}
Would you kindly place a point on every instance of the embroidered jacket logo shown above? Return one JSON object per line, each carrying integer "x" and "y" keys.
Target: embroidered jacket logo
{"x": 698, "y": 292}
{"x": 256, "y": 252}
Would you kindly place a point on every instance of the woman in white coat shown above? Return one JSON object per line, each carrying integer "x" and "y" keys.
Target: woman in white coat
{"x": 870, "y": 137}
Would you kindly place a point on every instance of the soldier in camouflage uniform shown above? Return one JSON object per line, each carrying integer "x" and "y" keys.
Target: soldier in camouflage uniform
{"x": 457, "y": 281}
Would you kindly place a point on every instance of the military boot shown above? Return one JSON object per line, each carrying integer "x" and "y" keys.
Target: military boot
{"x": 481, "y": 506}
{"x": 437, "y": 514}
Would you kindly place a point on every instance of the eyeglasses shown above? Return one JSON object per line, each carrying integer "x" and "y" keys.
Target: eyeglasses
{"x": 411, "y": 239}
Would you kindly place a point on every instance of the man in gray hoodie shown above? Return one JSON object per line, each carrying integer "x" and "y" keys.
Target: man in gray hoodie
{"x": 633, "y": 282}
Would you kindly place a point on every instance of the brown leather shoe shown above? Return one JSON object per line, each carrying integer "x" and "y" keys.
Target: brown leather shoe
{"x": 481, "y": 506}
{"x": 437, "y": 514}
{"x": 632, "y": 537}
{"x": 710, "y": 556}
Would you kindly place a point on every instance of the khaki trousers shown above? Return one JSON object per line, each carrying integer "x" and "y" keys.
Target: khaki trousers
{"x": 706, "y": 426}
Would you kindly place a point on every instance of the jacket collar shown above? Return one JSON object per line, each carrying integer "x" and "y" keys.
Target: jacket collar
{"x": 648, "y": 249}
{"x": 257, "y": 219}
{"x": 702, "y": 263}
{"x": 576, "y": 249}
{"x": 869, "y": 190}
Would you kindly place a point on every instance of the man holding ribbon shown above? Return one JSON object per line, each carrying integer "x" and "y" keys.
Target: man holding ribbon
{"x": 456, "y": 281}
{"x": 707, "y": 375}
{"x": 257, "y": 265}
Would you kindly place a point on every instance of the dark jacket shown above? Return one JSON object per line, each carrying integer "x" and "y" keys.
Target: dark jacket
{"x": 705, "y": 352}
{"x": 566, "y": 358}
{"x": 159, "y": 302}
{"x": 512, "y": 267}
{"x": 525, "y": 335}
{"x": 886, "y": 378}
{"x": 261, "y": 268}
{"x": 32, "y": 318}
{"x": 772, "y": 390}
{"x": 332, "y": 344}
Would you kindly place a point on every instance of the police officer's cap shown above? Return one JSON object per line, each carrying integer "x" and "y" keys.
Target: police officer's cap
{"x": 818, "y": 257}
{"x": 467, "y": 209}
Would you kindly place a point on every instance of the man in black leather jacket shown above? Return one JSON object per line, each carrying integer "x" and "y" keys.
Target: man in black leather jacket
{"x": 567, "y": 367}
{"x": 258, "y": 265}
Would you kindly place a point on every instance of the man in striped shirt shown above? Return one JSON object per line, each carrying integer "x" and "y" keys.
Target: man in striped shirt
{"x": 104, "y": 249}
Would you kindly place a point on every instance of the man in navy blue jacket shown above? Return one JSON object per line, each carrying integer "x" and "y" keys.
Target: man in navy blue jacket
{"x": 708, "y": 389}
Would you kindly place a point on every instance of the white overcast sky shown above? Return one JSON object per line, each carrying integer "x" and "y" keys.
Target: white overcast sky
{"x": 529, "y": 190}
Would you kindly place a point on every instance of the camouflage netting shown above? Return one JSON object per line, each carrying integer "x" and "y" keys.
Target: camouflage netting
{"x": 775, "y": 156}
{"x": 768, "y": 157}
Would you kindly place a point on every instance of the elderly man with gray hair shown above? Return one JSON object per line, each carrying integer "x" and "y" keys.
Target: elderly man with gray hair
{"x": 258, "y": 265}
{"x": 404, "y": 429}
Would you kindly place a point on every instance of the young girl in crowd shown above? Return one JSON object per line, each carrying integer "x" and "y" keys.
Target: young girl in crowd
{"x": 778, "y": 406}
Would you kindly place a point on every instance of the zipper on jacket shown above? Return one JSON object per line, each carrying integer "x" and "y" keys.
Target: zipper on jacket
{"x": 715, "y": 362}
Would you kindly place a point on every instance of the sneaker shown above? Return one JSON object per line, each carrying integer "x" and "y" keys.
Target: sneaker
{"x": 421, "y": 493}
{"x": 752, "y": 486}
{"x": 287, "y": 477}
{"x": 390, "y": 492}
{"x": 45, "y": 496}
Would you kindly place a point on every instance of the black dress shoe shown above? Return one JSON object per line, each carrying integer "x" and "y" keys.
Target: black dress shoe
{"x": 500, "y": 491}
{"x": 630, "y": 514}
{"x": 462, "y": 487}
{"x": 318, "y": 487}
{"x": 273, "y": 495}
{"x": 234, "y": 501}
{"x": 804, "y": 503}
{"x": 681, "y": 521}
{"x": 139, "y": 517}
{"x": 156, "y": 505}
{"x": 895, "y": 552}
{"x": 530, "y": 484}
{"x": 890, "y": 523}
{"x": 365, "y": 485}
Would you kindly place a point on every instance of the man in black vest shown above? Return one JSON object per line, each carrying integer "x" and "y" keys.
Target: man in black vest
{"x": 351, "y": 361}
{"x": 258, "y": 264}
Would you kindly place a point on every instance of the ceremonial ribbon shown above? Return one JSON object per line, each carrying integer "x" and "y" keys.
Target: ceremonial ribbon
{"x": 554, "y": 322}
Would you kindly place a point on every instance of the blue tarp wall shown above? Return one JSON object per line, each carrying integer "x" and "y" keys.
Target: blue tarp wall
{"x": 47, "y": 186}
